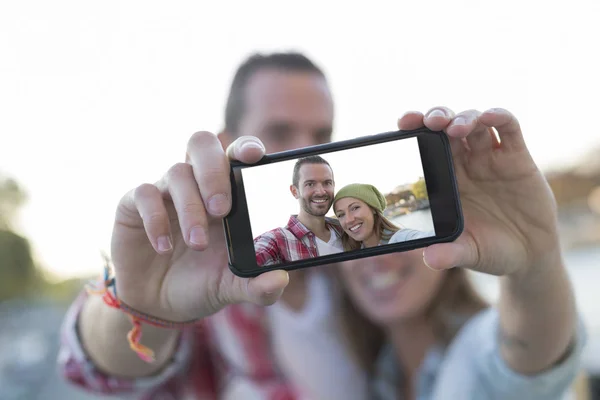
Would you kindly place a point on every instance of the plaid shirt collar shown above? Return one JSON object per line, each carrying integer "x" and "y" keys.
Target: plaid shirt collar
{"x": 299, "y": 230}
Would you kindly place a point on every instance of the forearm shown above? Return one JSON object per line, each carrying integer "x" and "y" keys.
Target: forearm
{"x": 103, "y": 332}
{"x": 537, "y": 316}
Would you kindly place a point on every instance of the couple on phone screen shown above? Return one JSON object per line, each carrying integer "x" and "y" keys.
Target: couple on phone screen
{"x": 359, "y": 221}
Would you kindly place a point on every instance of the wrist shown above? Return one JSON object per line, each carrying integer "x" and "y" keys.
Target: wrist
{"x": 102, "y": 332}
{"x": 540, "y": 259}
{"x": 107, "y": 289}
{"x": 532, "y": 277}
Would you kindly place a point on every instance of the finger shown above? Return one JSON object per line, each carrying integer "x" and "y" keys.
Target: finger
{"x": 267, "y": 288}
{"x": 414, "y": 120}
{"x": 478, "y": 136}
{"x": 211, "y": 171}
{"x": 438, "y": 118}
{"x": 410, "y": 120}
{"x": 264, "y": 289}
{"x": 459, "y": 147}
{"x": 507, "y": 126}
{"x": 184, "y": 193}
{"x": 460, "y": 253}
{"x": 247, "y": 149}
{"x": 463, "y": 124}
{"x": 149, "y": 203}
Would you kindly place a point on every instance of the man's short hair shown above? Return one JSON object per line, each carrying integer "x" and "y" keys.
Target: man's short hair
{"x": 307, "y": 160}
{"x": 288, "y": 62}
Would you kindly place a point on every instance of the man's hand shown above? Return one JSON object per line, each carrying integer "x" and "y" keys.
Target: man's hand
{"x": 168, "y": 246}
{"x": 509, "y": 210}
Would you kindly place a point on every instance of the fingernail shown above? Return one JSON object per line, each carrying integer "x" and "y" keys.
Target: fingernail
{"x": 406, "y": 113}
{"x": 425, "y": 262}
{"x": 218, "y": 204}
{"x": 436, "y": 113}
{"x": 254, "y": 145}
{"x": 251, "y": 143}
{"x": 164, "y": 244}
{"x": 198, "y": 236}
{"x": 459, "y": 121}
{"x": 276, "y": 293}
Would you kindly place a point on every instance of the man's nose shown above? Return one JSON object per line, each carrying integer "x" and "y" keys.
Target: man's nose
{"x": 319, "y": 189}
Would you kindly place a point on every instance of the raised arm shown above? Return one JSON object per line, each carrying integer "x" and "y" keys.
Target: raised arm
{"x": 170, "y": 262}
{"x": 510, "y": 231}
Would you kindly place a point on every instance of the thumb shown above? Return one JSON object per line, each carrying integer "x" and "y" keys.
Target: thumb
{"x": 460, "y": 253}
{"x": 266, "y": 288}
{"x": 247, "y": 149}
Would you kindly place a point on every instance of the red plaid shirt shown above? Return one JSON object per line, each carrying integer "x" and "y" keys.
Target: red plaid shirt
{"x": 291, "y": 243}
{"x": 226, "y": 356}
{"x": 227, "y": 352}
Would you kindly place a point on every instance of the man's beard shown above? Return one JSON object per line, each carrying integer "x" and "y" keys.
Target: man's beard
{"x": 306, "y": 206}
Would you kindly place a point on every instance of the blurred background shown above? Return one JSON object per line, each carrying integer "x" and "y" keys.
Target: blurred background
{"x": 99, "y": 97}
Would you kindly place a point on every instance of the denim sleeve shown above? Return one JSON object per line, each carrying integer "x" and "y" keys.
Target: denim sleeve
{"x": 475, "y": 369}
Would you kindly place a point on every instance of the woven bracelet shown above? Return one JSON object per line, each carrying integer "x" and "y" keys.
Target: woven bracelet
{"x": 104, "y": 286}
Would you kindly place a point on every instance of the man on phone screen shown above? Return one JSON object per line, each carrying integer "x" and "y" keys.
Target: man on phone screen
{"x": 309, "y": 233}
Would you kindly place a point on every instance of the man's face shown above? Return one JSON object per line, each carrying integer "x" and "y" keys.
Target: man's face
{"x": 315, "y": 189}
{"x": 287, "y": 110}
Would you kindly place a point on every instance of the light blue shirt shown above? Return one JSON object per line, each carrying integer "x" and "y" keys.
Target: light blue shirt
{"x": 472, "y": 368}
{"x": 406, "y": 234}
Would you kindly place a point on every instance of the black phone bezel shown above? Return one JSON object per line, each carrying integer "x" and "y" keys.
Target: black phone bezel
{"x": 438, "y": 170}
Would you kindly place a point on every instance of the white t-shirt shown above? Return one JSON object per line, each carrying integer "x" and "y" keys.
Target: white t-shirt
{"x": 310, "y": 347}
{"x": 334, "y": 245}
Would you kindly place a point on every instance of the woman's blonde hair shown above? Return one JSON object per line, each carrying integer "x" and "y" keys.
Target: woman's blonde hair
{"x": 383, "y": 227}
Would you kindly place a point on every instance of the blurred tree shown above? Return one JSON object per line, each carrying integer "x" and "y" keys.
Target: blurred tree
{"x": 569, "y": 187}
{"x": 419, "y": 188}
{"x": 17, "y": 269}
{"x": 18, "y": 274}
{"x": 12, "y": 197}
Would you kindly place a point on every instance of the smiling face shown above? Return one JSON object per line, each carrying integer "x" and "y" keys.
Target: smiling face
{"x": 357, "y": 220}
{"x": 391, "y": 288}
{"x": 315, "y": 189}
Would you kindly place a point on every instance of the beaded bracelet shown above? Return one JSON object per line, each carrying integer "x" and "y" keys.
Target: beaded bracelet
{"x": 103, "y": 287}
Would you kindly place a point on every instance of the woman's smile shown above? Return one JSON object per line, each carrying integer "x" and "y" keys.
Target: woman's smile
{"x": 354, "y": 229}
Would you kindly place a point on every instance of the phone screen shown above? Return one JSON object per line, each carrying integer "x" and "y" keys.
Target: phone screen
{"x": 340, "y": 201}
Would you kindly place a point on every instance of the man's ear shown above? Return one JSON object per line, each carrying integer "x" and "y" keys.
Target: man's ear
{"x": 294, "y": 191}
{"x": 226, "y": 138}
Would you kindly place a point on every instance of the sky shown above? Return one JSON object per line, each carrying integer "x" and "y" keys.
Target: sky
{"x": 97, "y": 98}
{"x": 383, "y": 165}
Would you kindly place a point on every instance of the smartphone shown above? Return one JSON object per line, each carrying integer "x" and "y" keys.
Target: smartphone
{"x": 396, "y": 192}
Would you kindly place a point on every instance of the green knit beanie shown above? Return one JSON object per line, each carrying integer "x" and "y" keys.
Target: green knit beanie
{"x": 362, "y": 191}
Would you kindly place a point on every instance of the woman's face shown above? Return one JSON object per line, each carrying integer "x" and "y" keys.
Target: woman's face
{"x": 356, "y": 218}
{"x": 391, "y": 288}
